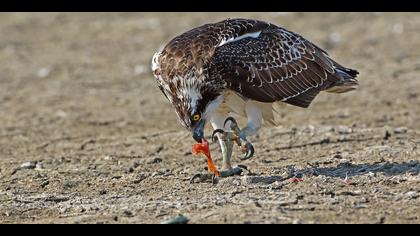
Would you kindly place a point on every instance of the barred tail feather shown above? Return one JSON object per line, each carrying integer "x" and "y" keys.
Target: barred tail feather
{"x": 347, "y": 82}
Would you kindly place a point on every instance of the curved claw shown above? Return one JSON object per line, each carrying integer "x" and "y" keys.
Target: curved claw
{"x": 231, "y": 119}
{"x": 213, "y": 137}
{"x": 249, "y": 149}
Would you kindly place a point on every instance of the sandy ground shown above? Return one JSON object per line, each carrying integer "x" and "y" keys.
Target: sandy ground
{"x": 87, "y": 137}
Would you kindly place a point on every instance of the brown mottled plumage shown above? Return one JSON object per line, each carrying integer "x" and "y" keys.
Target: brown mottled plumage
{"x": 256, "y": 60}
{"x": 244, "y": 67}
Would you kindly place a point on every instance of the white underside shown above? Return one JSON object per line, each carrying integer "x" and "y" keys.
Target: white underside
{"x": 257, "y": 113}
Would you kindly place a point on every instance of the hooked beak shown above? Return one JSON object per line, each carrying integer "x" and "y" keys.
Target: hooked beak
{"x": 198, "y": 131}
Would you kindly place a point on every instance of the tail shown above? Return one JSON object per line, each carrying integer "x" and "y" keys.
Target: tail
{"x": 347, "y": 82}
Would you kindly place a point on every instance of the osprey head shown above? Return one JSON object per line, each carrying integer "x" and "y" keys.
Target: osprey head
{"x": 193, "y": 98}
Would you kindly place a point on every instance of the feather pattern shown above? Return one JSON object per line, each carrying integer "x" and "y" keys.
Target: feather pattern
{"x": 257, "y": 60}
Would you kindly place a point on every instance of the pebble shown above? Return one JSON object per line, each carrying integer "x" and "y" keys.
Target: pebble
{"x": 29, "y": 165}
{"x": 180, "y": 219}
{"x": 411, "y": 195}
{"x": 345, "y": 162}
{"x": 154, "y": 160}
{"x": 128, "y": 213}
{"x": 167, "y": 172}
{"x": 154, "y": 174}
{"x": 400, "y": 130}
{"x": 43, "y": 72}
{"x": 297, "y": 222}
{"x": 344, "y": 130}
{"x": 45, "y": 183}
{"x": 39, "y": 166}
{"x": 371, "y": 174}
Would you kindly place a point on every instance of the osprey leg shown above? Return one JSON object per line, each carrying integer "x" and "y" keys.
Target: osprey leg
{"x": 226, "y": 142}
{"x": 240, "y": 136}
{"x": 254, "y": 115}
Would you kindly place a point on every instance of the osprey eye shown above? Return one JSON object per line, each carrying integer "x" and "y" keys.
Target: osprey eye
{"x": 196, "y": 117}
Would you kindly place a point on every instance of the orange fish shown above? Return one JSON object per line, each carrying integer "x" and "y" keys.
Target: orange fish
{"x": 203, "y": 147}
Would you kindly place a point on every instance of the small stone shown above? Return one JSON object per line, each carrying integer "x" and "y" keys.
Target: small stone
{"x": 39, "y": 166}
{"x": 80, "y": 209}
{"x": 139, "y": 178}
{"x": 371, "y": 174}
{"x": 297, "y": 222}
{"x": 43, "y": 72}
{"x": 344, "y": 130}
{"x": 400, "y": 130}
{"x": 345, "y": 162}
{"x": 167, "y": 173}
{"x": 154, "y": 160}
{"x": 64, "y": 210}
{"x": 411, "y": 195}
{"x": 45, "y": 183}
{"x": 309, "y": 129}
{"x": 154, "y": 174}
{"x": 28, "y": 165}
{"x": 128, "y": 213}
{"x": 180, "y": 219}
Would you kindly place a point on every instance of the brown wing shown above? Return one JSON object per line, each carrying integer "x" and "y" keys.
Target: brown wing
{"x": 278, "y": 65}
{"x": 196, "y": 47}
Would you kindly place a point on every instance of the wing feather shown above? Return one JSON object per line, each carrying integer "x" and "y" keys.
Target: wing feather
{"x": 278, "y": 65}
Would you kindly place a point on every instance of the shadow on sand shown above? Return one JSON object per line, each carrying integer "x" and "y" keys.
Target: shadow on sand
{"x": 342, "y": 170}
{"x": 347, "y": 169}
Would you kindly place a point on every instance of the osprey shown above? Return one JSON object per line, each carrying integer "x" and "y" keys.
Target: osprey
{"x": 243, "y": 67}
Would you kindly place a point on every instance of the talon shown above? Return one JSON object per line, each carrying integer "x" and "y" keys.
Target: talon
{"x": 248, "y": 149}
{"x": 214, "y": 179}
{"x": 213, "y": 137}
{"x": 231, "y": 119}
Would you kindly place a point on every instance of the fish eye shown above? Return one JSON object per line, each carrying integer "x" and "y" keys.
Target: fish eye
{"x": 196, "y": 117}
